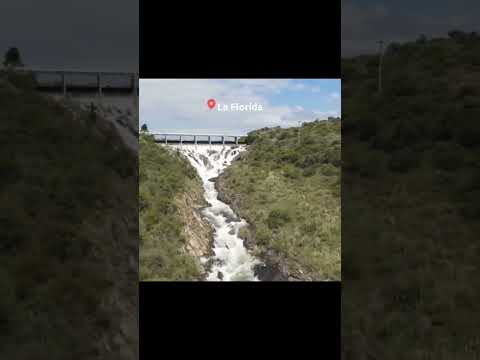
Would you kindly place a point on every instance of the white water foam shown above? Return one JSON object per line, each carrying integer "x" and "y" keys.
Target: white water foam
{"x": 232, "y": 261}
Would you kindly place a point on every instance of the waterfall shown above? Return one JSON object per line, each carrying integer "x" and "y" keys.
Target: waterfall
{"x": 231, "y": 260}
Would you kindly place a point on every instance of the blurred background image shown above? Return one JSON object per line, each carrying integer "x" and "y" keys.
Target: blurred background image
{"x": 410, "y": 181}
{"x": 68, "y": 188}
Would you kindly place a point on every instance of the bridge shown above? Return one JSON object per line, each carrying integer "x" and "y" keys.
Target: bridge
{"x": 172, "y": 138}
{"x": 115, "y": 94}
{"x": 64, "y": 81}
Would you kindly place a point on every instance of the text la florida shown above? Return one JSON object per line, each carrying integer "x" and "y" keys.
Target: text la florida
{"x": 240, "y": 107}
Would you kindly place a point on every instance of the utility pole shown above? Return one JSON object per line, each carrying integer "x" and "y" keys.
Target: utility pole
{"x": 380, "y": 63}
{"x": 299, "y": 128}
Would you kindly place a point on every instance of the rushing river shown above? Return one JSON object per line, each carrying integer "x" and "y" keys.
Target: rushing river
{"x": 231, "y": 260}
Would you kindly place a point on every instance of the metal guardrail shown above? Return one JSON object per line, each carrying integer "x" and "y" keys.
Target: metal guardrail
{"x": 64, "y": 86}
{"x": 167, "y": 138}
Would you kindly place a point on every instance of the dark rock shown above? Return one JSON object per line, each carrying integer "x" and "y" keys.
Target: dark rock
{"x": 269, "y": 272}
{"x": 206, "y": 162}
{"x": 274, "y": 268}
{"x": 221, "y": 196}
{"x": 269, "y": 253}
{"x": 249, "y": 242}
{"x": 204, "y": 207}
{"x": 246, "y": 236}
{"x": 229, "y": 218}
{"x": 219, "y": 186}
{"x": 220, "y": 275}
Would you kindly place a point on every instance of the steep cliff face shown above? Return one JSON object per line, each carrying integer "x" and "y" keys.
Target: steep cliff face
{"x": 198, "y": 232}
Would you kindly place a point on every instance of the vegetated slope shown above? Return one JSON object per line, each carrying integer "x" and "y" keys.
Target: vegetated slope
{"x": 412, "y": 200}
{"x": 166, "y": 177}
{"x": 287, "y": 187}
{"x": 68, "y": 242}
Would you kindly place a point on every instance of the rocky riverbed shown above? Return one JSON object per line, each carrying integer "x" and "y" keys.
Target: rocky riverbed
{"x": 273, "y": 266}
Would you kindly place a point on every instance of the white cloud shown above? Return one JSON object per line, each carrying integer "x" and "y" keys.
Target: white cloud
{"x": 325, "y": 114}
{"x": 297, "y": 86}
{"x": 181, "y": 104}
{"x": 334, "y": 97}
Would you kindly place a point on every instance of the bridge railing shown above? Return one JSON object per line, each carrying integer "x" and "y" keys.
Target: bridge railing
{"x": 68, "y": 81}
{"x": 198, "y": 139}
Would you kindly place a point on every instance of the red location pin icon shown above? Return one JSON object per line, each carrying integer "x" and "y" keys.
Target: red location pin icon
{"x": 211, "y": 103}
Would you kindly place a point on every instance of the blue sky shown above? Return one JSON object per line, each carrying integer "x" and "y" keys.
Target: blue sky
{"x": 181, "y": 105}
{"x": 310, "y": 94}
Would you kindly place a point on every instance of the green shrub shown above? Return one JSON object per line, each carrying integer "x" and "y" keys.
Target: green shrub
{"x": 250, "y": 139}
{"x": 309, "y": 228}
{"x": 333, "y": 156}
{"x": 467, "y": 129}
{"x": 442, "y": 129}
{"x": 468, "y": 181}
{"x": 307, "y": 140}
{"x": 328, "y": 170}
{"x": 309, "y": 172}
{"x": 263, "y": 236}
{"x": 308, "y": 160}
{"x": 250, "y": 188}
{"x": 291, "y": 172}
{"x": 277, "y": 218}
{"x": 403, "y": 160}
{"x": 290, "y": 156}
{"x": 406, "y": 133}
{"x": 448, "y": 156}
{"x": 402, "y": 85}
{"x": 468, "y": 90}
{"x": 384, "y": 139}
{"x": 10, "y": 170}
{"x": 368, "y": 128}
{"x": 470, "y": 208}
{"x": 367, "y": 163}
{"x": 24, "y": 81}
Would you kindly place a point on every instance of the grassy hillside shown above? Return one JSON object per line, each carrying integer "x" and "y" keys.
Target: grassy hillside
{"x": 164, "y": 177}
{"x": 412, "y": 190}
{"x": 287, "y": 186}
{"x": 68, "y": 241}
